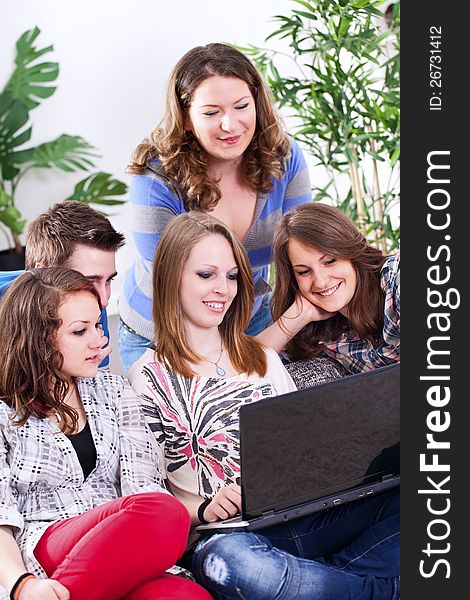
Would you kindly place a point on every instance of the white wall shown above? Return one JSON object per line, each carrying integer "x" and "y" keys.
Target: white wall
{"x": 115, "y": 57}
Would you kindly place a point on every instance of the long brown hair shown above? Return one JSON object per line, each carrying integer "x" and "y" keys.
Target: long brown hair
{"x": 172, "y": 345}
{"x": 328, "y": 230}
{"x": 31, "y": 381}
{"x": 182, "y": 158}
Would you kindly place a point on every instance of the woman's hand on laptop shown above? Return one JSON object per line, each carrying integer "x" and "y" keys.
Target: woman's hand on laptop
{"x": 225, "y": 504}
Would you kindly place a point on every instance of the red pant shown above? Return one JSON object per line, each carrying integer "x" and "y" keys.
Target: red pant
{"x": 121, "y": 549}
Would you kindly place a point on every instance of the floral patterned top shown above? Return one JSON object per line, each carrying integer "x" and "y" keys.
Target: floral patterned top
{"x": 195, "y": 420}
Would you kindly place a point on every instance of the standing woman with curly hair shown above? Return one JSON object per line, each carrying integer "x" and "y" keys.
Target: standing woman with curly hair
{"x": 334, "y": 292}
{"x": 220, "y": 148}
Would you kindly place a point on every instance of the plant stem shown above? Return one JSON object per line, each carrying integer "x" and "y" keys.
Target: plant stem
{"x": 377, "y": 200}
{"x": 377, "y": 203}
{"x": 17, "y": 242}
{"x": 357, "y": 193}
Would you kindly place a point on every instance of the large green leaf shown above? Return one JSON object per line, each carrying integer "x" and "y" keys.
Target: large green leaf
{"x": 68, "y": 152}
{"x": 11, "y": 218}
{"x": 22, "y": 93}
{"x": 27, "y": 86}
{"x": 12, "y": 119}
{"x": 5, "y": 199}
{"x": 307, "y": 5}
{"x": 99, "y": 188}
{"x": 28, "y": 80}
{"x": 12, "y": 134}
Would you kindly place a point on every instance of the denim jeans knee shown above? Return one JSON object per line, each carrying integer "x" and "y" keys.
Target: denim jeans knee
{"x": 243, "y": 566}
{"x": 247, "y": 566}
{"x": 131, "y": 346}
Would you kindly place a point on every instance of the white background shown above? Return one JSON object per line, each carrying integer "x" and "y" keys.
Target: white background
{"x": 115, "y": 57}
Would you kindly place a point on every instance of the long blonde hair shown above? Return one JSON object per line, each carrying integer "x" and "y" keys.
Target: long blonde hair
{"x": 172, "y": 345}
{"x": 181, "y": 157}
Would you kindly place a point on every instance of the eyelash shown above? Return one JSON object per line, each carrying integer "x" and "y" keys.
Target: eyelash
{"x": 211, "y": 113}
{"x": 207, "y": 275}
{"x": 81, "y": 332}
{"x": 329, "y": 262}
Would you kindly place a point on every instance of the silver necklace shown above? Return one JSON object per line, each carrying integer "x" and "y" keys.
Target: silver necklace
{"x": 220, "y": 370}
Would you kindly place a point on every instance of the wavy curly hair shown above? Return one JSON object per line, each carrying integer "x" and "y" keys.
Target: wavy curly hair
{"x": 328, "y": 230}
{"x": 31, "y": 381}
{"x": 182, "y": 158}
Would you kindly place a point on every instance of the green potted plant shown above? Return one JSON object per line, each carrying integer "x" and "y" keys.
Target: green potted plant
{"x": 29, "y": 84}
{"x": 344, "y": 100}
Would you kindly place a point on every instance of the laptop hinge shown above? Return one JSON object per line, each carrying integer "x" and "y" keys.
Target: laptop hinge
{"x": 268, "y": 513}
{"x": 387, "y": 477}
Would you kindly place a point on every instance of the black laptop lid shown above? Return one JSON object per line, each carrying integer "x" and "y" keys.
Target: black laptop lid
{"x": 315, "y": 442}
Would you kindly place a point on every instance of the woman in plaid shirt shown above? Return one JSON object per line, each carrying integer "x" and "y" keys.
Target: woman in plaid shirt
{"x": 83, "y": 513}
{"x": 334, "y": 292}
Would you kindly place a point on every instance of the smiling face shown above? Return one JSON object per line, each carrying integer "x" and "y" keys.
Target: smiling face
{"x": 222, "y": 117}
{"x": 325, "y": 281}
{"x": 208, "y": 283}
{"x": 78, "y": 338}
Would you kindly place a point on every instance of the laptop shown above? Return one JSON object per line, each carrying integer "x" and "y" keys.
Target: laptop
{"x": 317, "y": 448}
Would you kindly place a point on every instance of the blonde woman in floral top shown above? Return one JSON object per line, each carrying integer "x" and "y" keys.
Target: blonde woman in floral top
{"x": 192, "y": 385}
{"x": 204, "y": 366}
{"x": 83, "y": 513}
{"x": 334, "y": 292}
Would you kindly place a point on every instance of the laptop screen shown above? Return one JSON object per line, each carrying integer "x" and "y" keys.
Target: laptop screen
{"x": 319, "y": 441}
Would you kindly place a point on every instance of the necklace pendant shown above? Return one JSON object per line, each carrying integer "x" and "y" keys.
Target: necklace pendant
{"x": 221, "y": 371}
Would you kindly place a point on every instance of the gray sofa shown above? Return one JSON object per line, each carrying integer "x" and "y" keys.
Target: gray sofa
{"x": 314, "y": 371}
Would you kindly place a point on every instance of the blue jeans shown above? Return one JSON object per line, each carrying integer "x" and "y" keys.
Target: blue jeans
{"x": 348, "y": 552}
{"x": 261, "y": 319}
{"x": 132, "y": 345}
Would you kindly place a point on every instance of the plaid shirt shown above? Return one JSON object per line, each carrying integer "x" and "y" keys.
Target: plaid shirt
{"x": 358, "y": 354}
{"x": 41, "y": 480}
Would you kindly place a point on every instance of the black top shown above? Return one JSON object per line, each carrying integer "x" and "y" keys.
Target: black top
{"x": 84, "y": 446}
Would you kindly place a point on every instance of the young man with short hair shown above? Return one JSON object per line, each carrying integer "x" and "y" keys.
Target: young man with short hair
{"x": 74, "y": 235}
